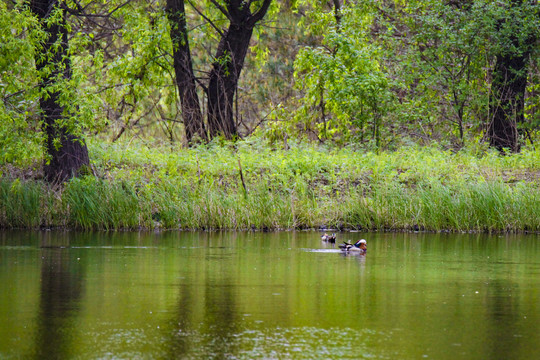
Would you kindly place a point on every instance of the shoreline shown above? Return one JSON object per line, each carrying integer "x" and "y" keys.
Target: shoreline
{"x": 259, "y": 188}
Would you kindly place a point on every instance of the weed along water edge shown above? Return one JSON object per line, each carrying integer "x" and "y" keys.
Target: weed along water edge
{"x": 252, "y": 186}
{"x": 286, "y": 295}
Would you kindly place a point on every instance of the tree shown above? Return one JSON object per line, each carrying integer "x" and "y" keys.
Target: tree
{"x": 229, "y": 61}
{"x": 67, "y": 153}
{"x": 183, "y": 68}
{"x": 516, "y": 34}
{"x": 466, "y": 61}
{"x": 226, "y": 67}
{"x": 345, "y": 90}
{"x": 448, "y": 53}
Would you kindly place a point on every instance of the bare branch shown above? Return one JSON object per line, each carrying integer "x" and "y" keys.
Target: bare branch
{"x": 220, "y": 32}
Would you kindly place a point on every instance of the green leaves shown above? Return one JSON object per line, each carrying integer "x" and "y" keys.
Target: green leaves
{"x": 18, "y": 86}
{"x": 346, "y": 91}
{"x": 382, "y": 70}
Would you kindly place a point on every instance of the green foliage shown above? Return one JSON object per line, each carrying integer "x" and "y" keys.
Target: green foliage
{"x": 18, "y": 79}
{"x": 136, "y": 81}
{"x": 374, "y": 75}
{"x": 397, "y": 72}
{"x": 345, "y": 90}
{"x": 378, "y": 73}
{"x": 146, "y": 186}
{"x": 21, "y": 86}
{"x": 443, "y": 55}
{"x": 447, "y": 59}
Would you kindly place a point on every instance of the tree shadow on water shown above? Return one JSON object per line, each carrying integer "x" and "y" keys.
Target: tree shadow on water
{"x": 60, "y": 294}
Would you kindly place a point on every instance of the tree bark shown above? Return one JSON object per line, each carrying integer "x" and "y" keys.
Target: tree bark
{"x": 228, "y": 64}
{"x": 223, "y": 81}
{"x": 183, "y": 68}
{"x": 67, "y": 152}
{"x": 507, "y": 103}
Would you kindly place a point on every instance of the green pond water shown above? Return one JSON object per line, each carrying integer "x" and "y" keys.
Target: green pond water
{"x": 287, "y": 295}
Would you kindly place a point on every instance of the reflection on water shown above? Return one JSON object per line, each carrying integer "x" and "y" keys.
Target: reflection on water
{"x": 277, "y": 295}
{"x": 59, "y": 300}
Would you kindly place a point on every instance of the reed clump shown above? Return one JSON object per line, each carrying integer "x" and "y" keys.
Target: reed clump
{"x": 250, "y": 185}
{"x": 21, "y": 203}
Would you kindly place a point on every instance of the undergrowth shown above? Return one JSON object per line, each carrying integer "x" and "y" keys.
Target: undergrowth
{"x": 249, "y": 185}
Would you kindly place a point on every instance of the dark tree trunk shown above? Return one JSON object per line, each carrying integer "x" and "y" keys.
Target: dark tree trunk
{"x": 183, "y": 68}
{"x": 67, "y": 153}
{"x": 223, "y": 82}
{"x": 337, "y": 12}
{"x": 507, "y": 101}
{"x": 228, "y": 65}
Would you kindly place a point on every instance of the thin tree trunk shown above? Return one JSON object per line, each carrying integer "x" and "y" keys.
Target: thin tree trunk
{"x": 183, "y": 68}
{"x": 67, "y": 152}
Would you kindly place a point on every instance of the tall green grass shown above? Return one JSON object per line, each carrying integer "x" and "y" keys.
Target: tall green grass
{"x": 483, "y": 207}
{"x": 94, "y": 204}
{"x": 146, "y": 187}
{"x": 20, "y": 204}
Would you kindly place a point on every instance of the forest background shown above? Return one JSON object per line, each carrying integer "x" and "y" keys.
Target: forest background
{"x": 261, "y": 114}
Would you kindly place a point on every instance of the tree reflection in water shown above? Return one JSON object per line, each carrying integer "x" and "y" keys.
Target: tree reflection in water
{"x": 60, "y": 295}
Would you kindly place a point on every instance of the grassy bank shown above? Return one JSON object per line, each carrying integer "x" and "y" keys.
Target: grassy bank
{"x": 252, "y": 186}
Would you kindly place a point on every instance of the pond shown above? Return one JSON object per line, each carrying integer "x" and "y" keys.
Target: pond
{"x": 284, "y": 295}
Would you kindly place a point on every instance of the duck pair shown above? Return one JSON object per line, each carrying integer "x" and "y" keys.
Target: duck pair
{"x": 359, "y": 246}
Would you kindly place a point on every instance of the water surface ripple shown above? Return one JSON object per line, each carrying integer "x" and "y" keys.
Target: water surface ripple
{"x": 287, "y": 295}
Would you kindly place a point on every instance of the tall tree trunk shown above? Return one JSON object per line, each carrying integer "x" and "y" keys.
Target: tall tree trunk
{"x": 508, "y": 101}
{"x": 67, "y": 152}
{"x": 224, "y": 77}
{"x": 228, "y": 65}
{"x": 183, "y": 68}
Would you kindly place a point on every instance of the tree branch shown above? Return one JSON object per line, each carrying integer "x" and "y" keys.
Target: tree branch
{"x": 222, "y": 9}
{"x": 259, "y": 14}
{"x": 219, "y": 31}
